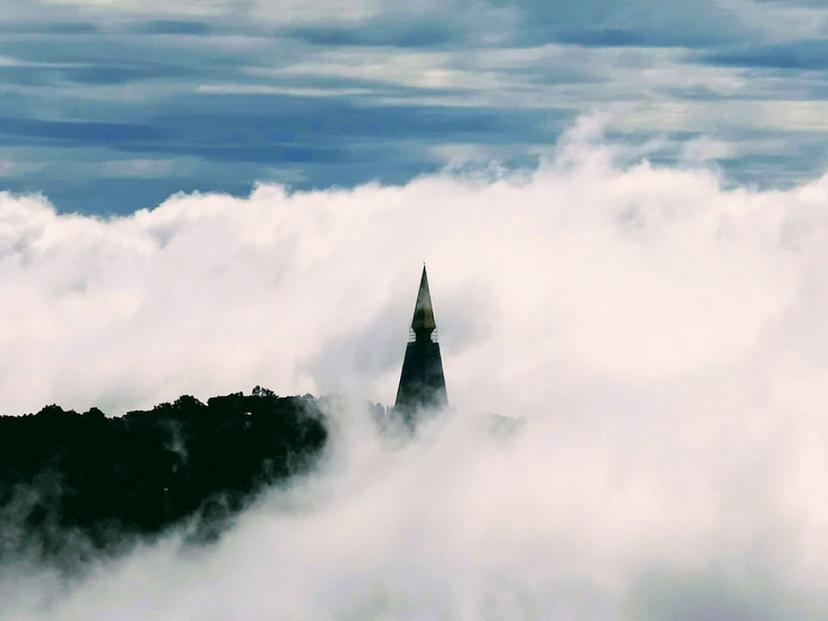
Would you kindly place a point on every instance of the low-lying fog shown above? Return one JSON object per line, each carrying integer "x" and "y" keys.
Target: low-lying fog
{"x": 660, "y": 339}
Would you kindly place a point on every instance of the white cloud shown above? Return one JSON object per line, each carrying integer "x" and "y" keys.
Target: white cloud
{"x": 703, "y": 149}
{"x": 799, "y": 115}
{"x": 193, "y": 8}
{"x": 278, "y": 11}
{"x": 266, "y": 89}
{"x": 634, "y": 273}
{"x": 664, "y": 339}
{"x": 418, "y": 69}
{"x": 14, "y": 168}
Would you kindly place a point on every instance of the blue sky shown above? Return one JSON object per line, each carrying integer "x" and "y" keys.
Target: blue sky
{"x": 108, "y": 106}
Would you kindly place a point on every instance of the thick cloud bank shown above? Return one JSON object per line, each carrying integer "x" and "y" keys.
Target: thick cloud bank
{"x": 585, "y": 272}
{"x": 662, "y": 337}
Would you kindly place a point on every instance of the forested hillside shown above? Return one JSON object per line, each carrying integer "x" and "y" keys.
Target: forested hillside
{"x": 76, "y": 484}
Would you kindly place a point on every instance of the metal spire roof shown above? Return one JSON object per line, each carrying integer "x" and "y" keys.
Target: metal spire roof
{"x": 423, "y": 320}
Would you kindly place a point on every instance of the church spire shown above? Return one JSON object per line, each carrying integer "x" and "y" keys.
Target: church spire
{"x": 422, "y": 384}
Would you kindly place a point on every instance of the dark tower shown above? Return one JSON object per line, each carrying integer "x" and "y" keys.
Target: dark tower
{"x": 422, "y": 384}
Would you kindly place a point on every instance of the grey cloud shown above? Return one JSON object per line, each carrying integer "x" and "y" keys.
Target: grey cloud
{"x": 49, "y": 28}
{"x": 809, "y": 54}
{"x": 422, "y": 35}
{"x": 80, "y": 132}
{"x": 698, "y": 23}
{"x": 100, "y": 74}
{"x": 172, "y": 27}
{"x": 817, "y": 4}
{"x": 306, "y": 96}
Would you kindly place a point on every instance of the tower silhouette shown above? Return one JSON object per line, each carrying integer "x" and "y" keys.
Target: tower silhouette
{"x": 422, "y": 384}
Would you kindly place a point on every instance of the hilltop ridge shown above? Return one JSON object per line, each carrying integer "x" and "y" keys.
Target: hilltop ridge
{"x": 74, "y": 485}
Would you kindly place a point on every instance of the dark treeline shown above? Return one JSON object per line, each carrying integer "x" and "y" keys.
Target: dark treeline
{"x": 78, "y": 484}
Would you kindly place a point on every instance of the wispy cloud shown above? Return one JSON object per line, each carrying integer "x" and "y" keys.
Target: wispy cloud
{"x": 748, "y": 74}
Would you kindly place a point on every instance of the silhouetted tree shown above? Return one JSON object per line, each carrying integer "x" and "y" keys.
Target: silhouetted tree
{"x": 109, "y": 480}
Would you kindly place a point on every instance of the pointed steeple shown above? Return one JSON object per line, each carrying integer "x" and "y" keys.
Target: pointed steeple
{"x": 423, "y": 321}
{"x": 422, "y": 384}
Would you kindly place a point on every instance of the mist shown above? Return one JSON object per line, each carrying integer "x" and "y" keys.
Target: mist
{"x": 657, "y": 336}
